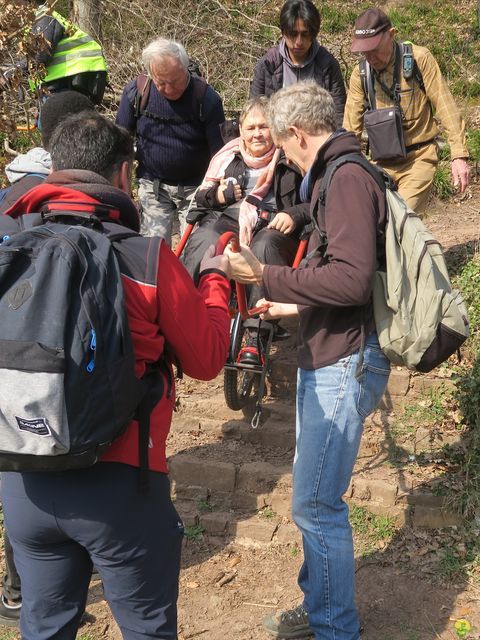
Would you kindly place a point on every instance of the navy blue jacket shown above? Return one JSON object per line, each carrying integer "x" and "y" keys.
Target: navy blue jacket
{"x": 174, "y": 152}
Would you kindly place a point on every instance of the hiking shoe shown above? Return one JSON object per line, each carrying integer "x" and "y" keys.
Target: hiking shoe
{"x": 9, "y": 613}
{"x": 249, "y": 353}
{"x": 292, "y": 623}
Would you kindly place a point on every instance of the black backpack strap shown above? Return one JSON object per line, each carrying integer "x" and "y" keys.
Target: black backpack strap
{"x": 380, "y": 176}
{"x": 366, "y": 78}
{"x": 407, "y": 49}
{"x": 199, "y": 89}
{"x": 154, "y": 389}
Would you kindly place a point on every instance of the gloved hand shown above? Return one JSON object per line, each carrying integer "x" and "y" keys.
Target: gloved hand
{"x": 211, "y": 261}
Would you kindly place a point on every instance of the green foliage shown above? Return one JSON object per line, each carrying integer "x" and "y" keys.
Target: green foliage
{"x": 444, "y": 151}
{"x": 429, "y": 411}
{"x": 205, "y": 506}
{"x": 267, "y": 513}
{"x": 467, "y": 499}
{"x": 460, "y": 561}
{"x": 370, "y": 527}
{"x": 462, "y": 628}
{"x": 335, "y": 20}
{"x": 414, "y": 433}
{"x": 442, "y": 182}
{"x": 468, "y": 281}
{"x": 473, "y": 145}
{"x": 194, "y": 532}
{"x": 452, "y": 36}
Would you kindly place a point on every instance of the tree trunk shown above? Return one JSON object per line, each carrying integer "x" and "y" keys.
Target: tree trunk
{"x": 87, "y": 15}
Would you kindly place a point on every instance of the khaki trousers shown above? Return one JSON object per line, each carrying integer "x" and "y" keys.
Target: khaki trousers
{"x": 414, "y": 176}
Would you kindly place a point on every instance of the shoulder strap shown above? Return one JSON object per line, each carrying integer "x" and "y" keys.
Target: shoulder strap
{"x": 407, "y": 48}
{"x": 142, "y": 93}
{"x": 142, "y": 85}
{"x": 200, "y": 87}
{"x": 366, "y": 78}
{"x": 382, "y": 179}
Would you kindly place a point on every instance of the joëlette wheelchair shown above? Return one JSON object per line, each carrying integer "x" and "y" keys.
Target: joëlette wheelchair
{"x": 245, "y": 382}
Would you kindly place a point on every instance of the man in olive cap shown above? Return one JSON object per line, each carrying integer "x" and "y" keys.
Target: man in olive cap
{"x": 404, "y": 80}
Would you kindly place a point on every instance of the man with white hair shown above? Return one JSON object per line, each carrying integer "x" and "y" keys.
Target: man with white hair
{"x": 342, "y": 371}
{"x": 175, "y": 117}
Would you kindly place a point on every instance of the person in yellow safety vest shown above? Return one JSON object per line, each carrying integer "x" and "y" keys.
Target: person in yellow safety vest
{"x": 73, "y": 59}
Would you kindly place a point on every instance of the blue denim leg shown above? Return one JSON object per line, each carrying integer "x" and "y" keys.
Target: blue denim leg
{"x": 331, "y": 408}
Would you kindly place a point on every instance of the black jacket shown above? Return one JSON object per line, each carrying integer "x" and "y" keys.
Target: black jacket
{"x": 268, "y": 77}
{"x": 286, "y": 187}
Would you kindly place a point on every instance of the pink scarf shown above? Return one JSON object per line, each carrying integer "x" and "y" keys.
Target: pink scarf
{"x": 220, "y": 161}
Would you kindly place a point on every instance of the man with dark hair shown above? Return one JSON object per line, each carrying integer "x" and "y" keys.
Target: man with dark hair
{"x": 342, "y": 371}
{"x": 175, "y": 117}
{"x": 61, "y": 523}
{"x": 31, "y": 168}
{"x": 25, "y": 172}
{"x": 298, "y": 56}
{"x": 407, "y": 77}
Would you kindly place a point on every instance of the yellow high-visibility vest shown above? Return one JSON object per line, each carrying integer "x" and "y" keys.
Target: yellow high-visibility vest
{"x": 76, "y": 52}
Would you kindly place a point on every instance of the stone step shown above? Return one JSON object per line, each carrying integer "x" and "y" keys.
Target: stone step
{"x": 236, "y": 481}
{"x": 404, "y": 387}
{"x": 206, "y": 487}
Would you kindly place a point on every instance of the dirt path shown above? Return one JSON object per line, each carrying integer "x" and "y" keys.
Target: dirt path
{"x": 228, "y": 585}
{"x": 227, "y": 588}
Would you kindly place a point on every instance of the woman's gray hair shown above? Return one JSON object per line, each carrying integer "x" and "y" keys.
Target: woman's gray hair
{"x": 162, "y": 48}
{"x": 260, "y": 103}
{"x": 304, "y": 105}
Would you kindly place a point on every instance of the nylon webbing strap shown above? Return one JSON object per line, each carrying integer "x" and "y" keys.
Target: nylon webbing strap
{"x": 393, "y": 92}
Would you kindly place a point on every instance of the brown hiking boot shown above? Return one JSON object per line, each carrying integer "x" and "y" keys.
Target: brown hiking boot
{"x": 292, "y": 623}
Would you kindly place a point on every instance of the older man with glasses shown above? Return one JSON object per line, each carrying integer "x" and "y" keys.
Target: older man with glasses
{"x": 175, "y": 117}
{"x": 403, "y": 77}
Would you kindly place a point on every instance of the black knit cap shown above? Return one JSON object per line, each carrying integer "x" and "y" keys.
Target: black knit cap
{"x": 57, "y": 107}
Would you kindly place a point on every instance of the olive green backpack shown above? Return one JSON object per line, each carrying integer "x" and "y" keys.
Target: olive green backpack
{"x": 420, "y": 320}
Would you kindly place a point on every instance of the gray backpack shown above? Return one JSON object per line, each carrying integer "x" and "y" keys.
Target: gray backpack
{"x": 420, "y": 320}
{"x": 66, "y": 356}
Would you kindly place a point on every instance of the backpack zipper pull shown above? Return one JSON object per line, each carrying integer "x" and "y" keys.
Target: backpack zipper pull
{"x": 93, "y": 346}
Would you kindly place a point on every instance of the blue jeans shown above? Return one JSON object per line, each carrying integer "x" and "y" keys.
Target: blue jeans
{"x": 331, "y": 408}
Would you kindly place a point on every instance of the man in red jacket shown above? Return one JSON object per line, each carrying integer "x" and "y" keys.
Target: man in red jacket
{"x": 61, "y": 523}
{"x": 342, "y": 371}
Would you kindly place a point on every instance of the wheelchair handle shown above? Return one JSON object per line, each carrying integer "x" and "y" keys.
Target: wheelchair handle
{"x": 232, "y": 238}
{"x": 183, "y": 240}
